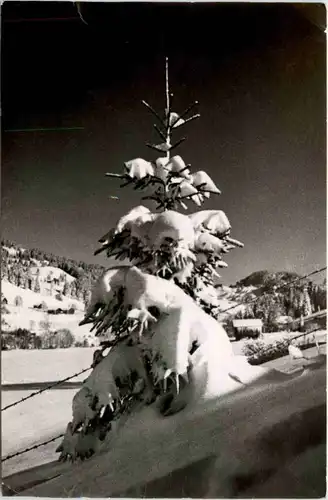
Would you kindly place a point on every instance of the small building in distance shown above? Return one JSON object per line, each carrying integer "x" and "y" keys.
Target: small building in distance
{"x": 284, "y": 323}
{"x": 243, "y": 328}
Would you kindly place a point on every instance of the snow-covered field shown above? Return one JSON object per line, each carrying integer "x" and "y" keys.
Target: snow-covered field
{"x": 256, "y": 434}
{"x": 46, "y": 415}
{"x": 35, "y": 420}
{"x": 32, "y": 319}
{"x": 19, "y": 366}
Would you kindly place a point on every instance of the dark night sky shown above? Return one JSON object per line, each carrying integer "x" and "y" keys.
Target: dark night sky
{"x": 258, "y": 71}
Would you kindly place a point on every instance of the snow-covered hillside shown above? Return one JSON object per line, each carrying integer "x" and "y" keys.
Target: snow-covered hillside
{"x": 49, "y": 271}
{"x": 36, "y": 270}
{"x": 50, "y": 283}
{"x": 27, "y": 317}
{"x": 31, "y": 298}
{"x": 32, "y": 279}
{"x": 232, "y": 300}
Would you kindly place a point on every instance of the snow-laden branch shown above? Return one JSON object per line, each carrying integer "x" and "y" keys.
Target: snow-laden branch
{"x": 171, "y": 244}
{"x": 172, "y": 174}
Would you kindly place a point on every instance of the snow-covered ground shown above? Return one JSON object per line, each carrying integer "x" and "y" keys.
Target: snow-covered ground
{"x": 22, "y": 317}
{"x": 46, "y": 415}
{"x": 34, "y": 420}
{"x": 22, "y": 366}
{"x": 19, "y": 366}
{"x": 260, "y": 433}
{"x": 269, "y": 338}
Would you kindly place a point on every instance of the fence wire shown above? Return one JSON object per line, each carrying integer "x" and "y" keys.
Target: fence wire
{"x": 305, "y": 333}
{"x": 35, "y": 447}
{"x": 59, "y": 382}
{"x": 45, "y": 389}
{"x": 8, "y": 489}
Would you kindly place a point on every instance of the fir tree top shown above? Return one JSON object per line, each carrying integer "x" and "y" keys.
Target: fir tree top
{"x": 186, "y": 249}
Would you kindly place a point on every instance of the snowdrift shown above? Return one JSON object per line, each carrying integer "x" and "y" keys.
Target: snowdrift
{"x": 265, "y": 440}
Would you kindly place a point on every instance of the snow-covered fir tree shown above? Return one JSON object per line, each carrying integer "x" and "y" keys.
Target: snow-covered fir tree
{"x": 158, "y": 310}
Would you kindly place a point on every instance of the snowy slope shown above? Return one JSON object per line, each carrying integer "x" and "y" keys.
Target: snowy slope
{"x": 31, "y": 298}
{"x": 234, "y": 300}
{"x": 232, "y": 305}
{"x": 55, "y": 272}
{"x": 269, "y": 434}
{"x": 32, "y": 319}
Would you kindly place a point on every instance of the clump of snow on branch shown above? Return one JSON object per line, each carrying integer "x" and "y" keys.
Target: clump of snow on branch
{"x": 170, "y": 181}
{"x": 170, "y": 332}
{"x": 171, "y": 244}
{"x": 170, "y": 323}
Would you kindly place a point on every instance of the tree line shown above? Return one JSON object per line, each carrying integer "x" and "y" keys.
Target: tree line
{"x": 294, "y": 301}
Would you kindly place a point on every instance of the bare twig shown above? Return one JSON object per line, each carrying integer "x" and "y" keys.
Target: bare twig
{"x": 161, "y": 134}
{"x": 194, "y": 117}
{"x": 168, "y": 110}
{"x": 177, "y": 143}
{"x": 117, "y": 176}
{"x": 78, "y": 8}
{"x": 154, "y": 112}
{"x": 185, "y": 113}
